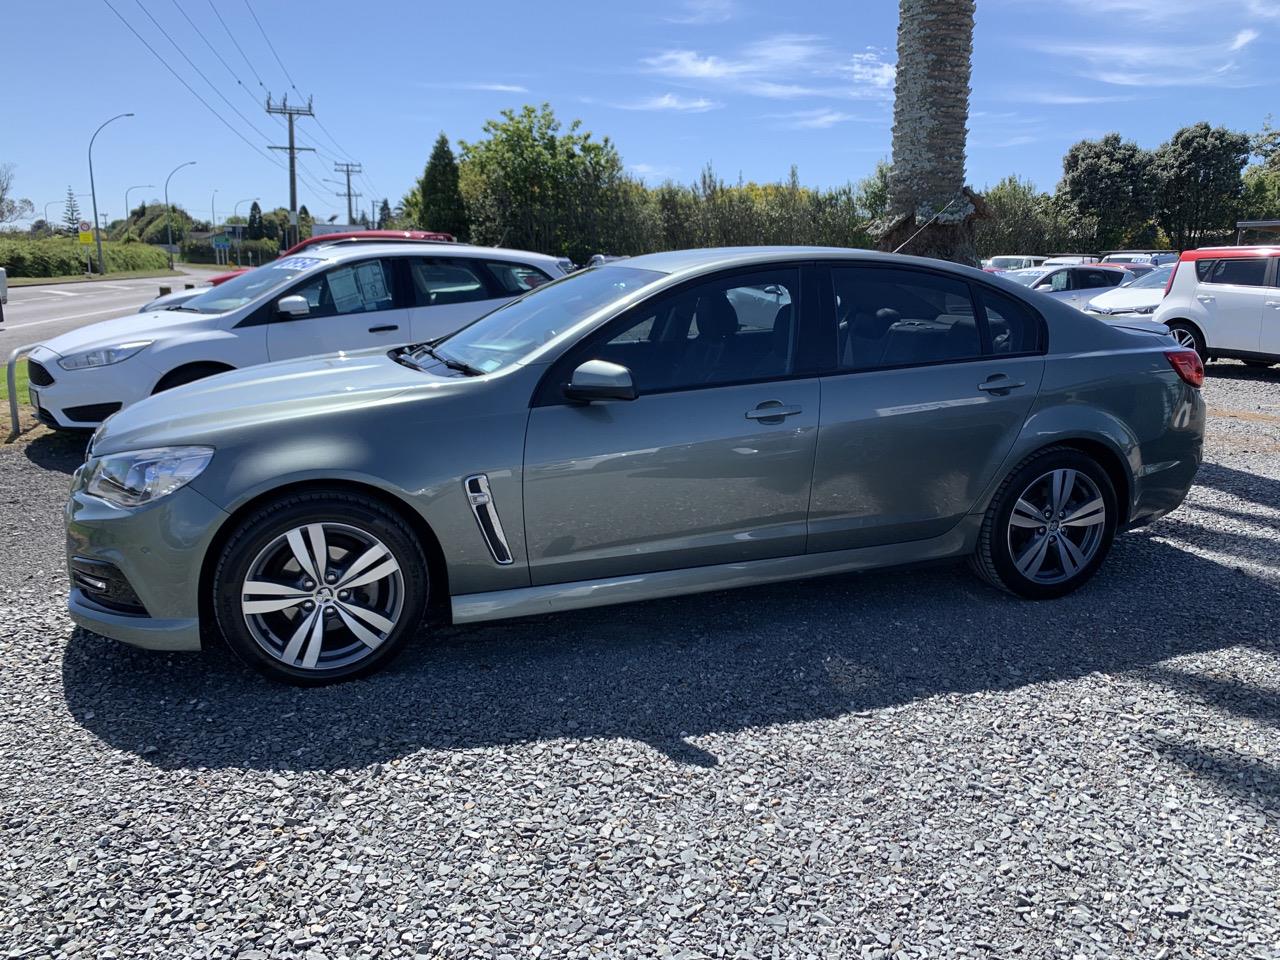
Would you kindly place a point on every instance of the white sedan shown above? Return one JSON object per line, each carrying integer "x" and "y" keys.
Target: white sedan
{"x": 342, "y": 297}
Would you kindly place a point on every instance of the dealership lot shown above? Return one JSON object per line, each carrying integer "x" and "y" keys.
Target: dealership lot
{"x": 898, "y": 764}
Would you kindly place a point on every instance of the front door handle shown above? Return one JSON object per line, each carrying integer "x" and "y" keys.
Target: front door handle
{"x": 773, "y": 411}
{"x": 385, "y": 328}
{"x": 1000, "y": 384}
{"x": 1273, "y": 303}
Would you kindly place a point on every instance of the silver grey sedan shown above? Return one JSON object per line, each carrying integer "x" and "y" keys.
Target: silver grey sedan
{"x": 667, "y": 424}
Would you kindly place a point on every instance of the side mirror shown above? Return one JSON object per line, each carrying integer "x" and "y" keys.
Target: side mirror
{"x": 600, "y": 380}
{"x": 294, "y": 306}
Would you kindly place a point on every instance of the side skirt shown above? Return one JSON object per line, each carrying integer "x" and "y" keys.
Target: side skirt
{"x": 580, "y": 594}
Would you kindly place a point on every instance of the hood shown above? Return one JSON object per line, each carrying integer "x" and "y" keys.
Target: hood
{"x": 313, "y": 386}
{"x": 152, "y": 325}
{"x": 1125, "y": 299}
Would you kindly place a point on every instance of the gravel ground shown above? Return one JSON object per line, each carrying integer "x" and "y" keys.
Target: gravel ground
{"x": 894, "y": 765}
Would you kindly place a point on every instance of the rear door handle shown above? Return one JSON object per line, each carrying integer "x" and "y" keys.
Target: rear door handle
{"x": 1273, "y": 303}
{"x": 773, "y": 411}
{"x": 1205, "y": 298}
{"x": 1000, "y": 384}
{"x": 385, "y": 328}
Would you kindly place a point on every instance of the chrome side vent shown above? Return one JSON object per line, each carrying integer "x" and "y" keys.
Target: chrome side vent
{"x": 481, "y": 501}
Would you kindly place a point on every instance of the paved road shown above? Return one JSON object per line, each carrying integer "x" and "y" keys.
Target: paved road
{"x": 37, "y": 313}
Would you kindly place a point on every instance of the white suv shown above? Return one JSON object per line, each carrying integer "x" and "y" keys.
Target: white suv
{"x": 1225, "y": 302}
{"x": 344, "y": 296}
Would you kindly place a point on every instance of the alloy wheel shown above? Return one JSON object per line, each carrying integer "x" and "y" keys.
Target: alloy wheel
{"x": 1056, "y": 526}
{"x": 1184, "y": 337}
{"x": 322, "y": 596}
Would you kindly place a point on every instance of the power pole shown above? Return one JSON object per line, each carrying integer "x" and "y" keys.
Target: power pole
{"x": 348, "y": 169}
{"x": 291, "y": 113}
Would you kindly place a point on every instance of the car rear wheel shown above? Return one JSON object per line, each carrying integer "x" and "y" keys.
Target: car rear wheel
{"x": 1188, "y": 336}
{"x": 319, "y": 587}
{"x": 1049, "y": 526}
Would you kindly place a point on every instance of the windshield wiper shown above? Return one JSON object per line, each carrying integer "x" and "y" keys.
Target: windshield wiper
{"x": 453, "y": 364}
{"x": 183, "y": 308}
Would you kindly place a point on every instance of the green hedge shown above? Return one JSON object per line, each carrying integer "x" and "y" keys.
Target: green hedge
{"x": 201, "y": 251}
{"x": 63, "y": 257}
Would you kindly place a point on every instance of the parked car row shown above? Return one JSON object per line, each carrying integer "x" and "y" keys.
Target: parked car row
{"x": 1147, "y": 258}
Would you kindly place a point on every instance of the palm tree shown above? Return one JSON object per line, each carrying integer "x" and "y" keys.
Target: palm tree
{"x": 930, "y": 119}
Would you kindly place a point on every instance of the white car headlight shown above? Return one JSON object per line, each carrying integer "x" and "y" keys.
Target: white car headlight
{"x": 1150, "y": 309}
{"x": 103, "y": 356}
{"x": 136, "y": 477}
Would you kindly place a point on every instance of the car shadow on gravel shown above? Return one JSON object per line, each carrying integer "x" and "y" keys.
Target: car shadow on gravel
{"x": 668, "y": 672}
{"x": 62, "y": 451}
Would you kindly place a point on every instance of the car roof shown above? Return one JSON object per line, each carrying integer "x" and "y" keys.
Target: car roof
{"x": 1229, "y": 253}
{"x": 680, "y": 261}
{"x": 373, "y": 248}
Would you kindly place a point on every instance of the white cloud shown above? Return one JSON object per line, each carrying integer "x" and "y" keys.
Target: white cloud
{"x": 784, "y": 67}
{"x": 653, "y": 170}
{"x": 821, "y": 118}
{"x": 1176, "y": 12}
{"x": 1049, "y": 98}
{"x": 673, "y": 102}
{"x": 1155, "y": 64}
{"x": 698, "y": 12}
{"x": 489, "y": 87}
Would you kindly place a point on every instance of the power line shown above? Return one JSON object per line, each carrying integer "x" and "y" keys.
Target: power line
{"x": 191, "y": 63}
{"x": 271, "y": 46}
{"x": 177, "y": 76}
{"x": 214, "y": 50}
{"x": 247, "y": 62}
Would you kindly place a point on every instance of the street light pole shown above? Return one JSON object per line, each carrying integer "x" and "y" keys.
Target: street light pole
{"x": 141, "y": 186}
{"x": 102, "y": 266}
{"x": 168, "y": 210}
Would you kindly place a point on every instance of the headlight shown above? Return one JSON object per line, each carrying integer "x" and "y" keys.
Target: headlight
{"x": 141, "y": 476}
{"x": 1150, "y": 309}
{"x": 103, "y": 356}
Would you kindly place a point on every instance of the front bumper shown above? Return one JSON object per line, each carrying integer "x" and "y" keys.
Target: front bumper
{"x": 82, "y": 399}
{"x": 159, "y": 550}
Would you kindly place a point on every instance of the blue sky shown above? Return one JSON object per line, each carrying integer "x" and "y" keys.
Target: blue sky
{"x": 747, "y": 85}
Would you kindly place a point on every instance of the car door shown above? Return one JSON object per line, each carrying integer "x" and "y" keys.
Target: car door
{"x": 710, "y": 463}
{"x": 1234, "y": 293}
{"x": 1056, "y": 284}
{"x": 1269, "y": 340}
{"x": 353, "y": 305}
{"x": 450, "y": 292}
{"x": 933, "y": 380}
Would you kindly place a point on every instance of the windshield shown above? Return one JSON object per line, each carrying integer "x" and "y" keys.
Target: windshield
{"x": 240, "y": 290}
{"x": 1025, "y": 277}
{"x": 1008, "y": 263}
{"x": 516, "y": 329}
{"x": 1156, "y": 278}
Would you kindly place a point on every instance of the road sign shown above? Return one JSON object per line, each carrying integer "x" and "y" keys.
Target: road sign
{"x": 86, "y": 231}
{"x": 222, "y": 243}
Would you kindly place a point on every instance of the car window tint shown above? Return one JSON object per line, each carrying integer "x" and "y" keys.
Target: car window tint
{"x": 734, "y": 330}
{"x": 1245, "y": 272}
{"x": 516, "y": 278}
{"x": 1203, "y": 268}
{"x": 893, "y": 318}
{"x": 1014, "y": 326}
{"x": 1092, "y": 279}
{"x": 438, "y": 281}
{"x": 362, "y": 287}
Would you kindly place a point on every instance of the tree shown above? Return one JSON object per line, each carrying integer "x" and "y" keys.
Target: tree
{"x": 254, "y": 229}
{"x": 305, "y": 222}
{"x": 930, "y": 116}
{"x": 12, "y": 208}
{"x": 1110, "y": 180}
{"x": 71, "y": 212}
{"x": 1199, "y": 183}
{"x": 440, "y": 205}
{"x": 384, "y": 214}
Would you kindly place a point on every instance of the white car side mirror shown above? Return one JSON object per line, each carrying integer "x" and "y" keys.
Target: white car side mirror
{"x": 294, "y": 306}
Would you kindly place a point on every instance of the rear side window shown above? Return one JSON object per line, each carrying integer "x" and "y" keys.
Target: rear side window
{"x": 439, "y": 281}
{"x": 1203, "y": 268}
{"x": 1245, "y": 272}
{"x": 516, "y": 278}
{"x": 895, "y": 318}
{"x": 1092, "y": 279}
{"x": 1014, "y": 326}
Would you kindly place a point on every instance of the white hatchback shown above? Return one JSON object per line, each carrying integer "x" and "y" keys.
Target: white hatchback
{"x": 348, "y": 296}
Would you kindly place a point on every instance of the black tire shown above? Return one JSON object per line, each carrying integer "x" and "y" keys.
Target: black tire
{"x": 995, "y": 561}
{"x": 189, "y": 374}
{"x": 1190, "y": 331}
{"x": 350, "y": 514}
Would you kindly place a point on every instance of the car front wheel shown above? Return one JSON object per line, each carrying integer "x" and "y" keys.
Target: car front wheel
{"x": 319, "y": 587}
{"x": 1049, "y": 526}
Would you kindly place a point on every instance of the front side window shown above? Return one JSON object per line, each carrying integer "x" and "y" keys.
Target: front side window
{"x": 894, "y": 318}
{"x": 1056, "y": 282}
{"x": 1243, "y": 272}
{"x": 439, "y": 281}
{"x": 250, "y": 285}
{"x": 736, "y": 329}
{"x": 363, "y": 287}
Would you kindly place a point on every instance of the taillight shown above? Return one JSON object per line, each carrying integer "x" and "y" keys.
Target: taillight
{"x": 1188, "y": 366}
{"x": 1172, "y": 273}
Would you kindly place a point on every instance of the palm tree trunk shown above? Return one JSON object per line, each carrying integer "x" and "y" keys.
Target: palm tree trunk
{"x": 930, "y": 126}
